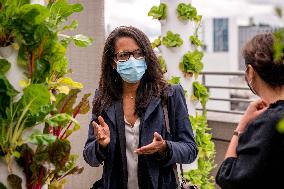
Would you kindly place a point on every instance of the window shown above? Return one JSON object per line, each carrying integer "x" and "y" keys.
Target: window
{"x": 221, "y": 34}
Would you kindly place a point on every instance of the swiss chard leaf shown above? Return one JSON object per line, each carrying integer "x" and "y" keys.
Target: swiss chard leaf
{"x": 61, "y": 9}
{"x": 14, "y": 181}
{"x": 59, "y": 153}
{"x": 40, "y": 139}
{"x": 7, "y": 93}
{"x": 36, "y": 94}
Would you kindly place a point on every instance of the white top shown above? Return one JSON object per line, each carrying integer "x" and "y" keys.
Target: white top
{"x": 132, "y": 143}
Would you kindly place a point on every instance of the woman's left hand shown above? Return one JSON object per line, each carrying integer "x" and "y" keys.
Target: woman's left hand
{"x": 158, "y": 145}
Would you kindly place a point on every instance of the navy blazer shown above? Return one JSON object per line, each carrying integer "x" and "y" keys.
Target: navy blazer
{"x": 181, "y": 143}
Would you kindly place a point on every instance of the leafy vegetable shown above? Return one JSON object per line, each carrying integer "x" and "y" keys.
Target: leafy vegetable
{"x": 195, "y": 41}
{"x": 156, "y": 43}
{"x": 187, "y": 12}
{"x": 174, "y": 80}
{"x": 172, "y": 40}
{"x": 192, "y": 62}
{"x": 39, "y": 138}
{"x": 158, "y": 12}
{"x": 278, "y": 45}
{"x": 4, "y": 66}
{"x": 206, "y": 154}
{"x": 163, "y": 64}
{"x": 2, "y": 186}
{"x": 15, "y": 181}
{"x": 200, "y": 93}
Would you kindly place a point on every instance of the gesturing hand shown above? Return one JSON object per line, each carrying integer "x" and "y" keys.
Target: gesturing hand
{"x": 253, "y": 110}
{"x": 101, "y": 132}
{"x": 158, "y": 145}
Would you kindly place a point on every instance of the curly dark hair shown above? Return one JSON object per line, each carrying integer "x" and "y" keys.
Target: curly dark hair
{"x": 151, "y": 85}
{"x": 259, "y": 53}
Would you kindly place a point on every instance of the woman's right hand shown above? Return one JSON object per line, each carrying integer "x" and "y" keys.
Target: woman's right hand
{"x": 253, "y": 110}
{"x": 102, "y": 132}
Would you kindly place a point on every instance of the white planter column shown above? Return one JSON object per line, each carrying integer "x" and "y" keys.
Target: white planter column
{"x": 173, "y": 55}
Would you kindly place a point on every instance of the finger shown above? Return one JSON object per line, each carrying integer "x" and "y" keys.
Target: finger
{"x": 149, "y": 147}
{"x": 102, "y": 121}
{"x": 95, "y": 126}
{"x": 157, "y": 137}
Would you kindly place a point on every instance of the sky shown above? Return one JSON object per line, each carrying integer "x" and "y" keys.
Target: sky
{"x": 134, "y": 12}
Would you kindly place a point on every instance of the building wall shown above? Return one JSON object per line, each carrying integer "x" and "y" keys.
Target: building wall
{"x": 85, "y": 63}
{"x": 220, "y": 61}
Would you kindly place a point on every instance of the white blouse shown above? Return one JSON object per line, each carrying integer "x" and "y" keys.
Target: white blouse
{"x": 132, "y": 143}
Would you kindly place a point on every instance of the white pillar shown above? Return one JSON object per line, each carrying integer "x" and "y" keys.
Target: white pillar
{"x": 174, "y": 55}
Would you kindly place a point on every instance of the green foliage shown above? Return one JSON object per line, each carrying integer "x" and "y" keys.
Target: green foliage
{"x": 158, "y": 12}
{"x": 280, "y": 126}
{"x": 206, "y": 154}
{"x": 200, "y": 93}
{"x": 172, "y": 40}
{"x": 278, "y": 45}
{"x": 40, "y": 139}
{"x": 187, "y": 12}
{"x": 4, "y": 66}
{"x": 192, "y": 62}
{"x": 156, "y": 43}
{"x": 14, "y": 181}
{"x": 279, "y": 12}
{"x": 2, "y": 186}
{"x": 195, "y": 41}
{"x": 174, "y": 80}
{"x": 48, "y": 96}
{"x": 163, "y": 64}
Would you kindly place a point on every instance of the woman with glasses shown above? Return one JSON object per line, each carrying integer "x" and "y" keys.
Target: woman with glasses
{"x": 127, "y": 133}
{"x": 255, "y": 156}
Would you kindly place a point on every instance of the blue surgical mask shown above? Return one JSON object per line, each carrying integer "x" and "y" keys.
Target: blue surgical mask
{"x": 132, "y": 70}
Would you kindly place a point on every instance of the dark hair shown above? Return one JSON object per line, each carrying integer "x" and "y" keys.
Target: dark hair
{"x": 259, "y": 53}
{"x": 151, "y": 85}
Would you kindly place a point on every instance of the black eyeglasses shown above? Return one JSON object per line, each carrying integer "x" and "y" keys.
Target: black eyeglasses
{"x": 125, "y": 55}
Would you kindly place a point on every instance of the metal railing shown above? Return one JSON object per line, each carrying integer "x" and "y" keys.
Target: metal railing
{"x": 237, "y": 100}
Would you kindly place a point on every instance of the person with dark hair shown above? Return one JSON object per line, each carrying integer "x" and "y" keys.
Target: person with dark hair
{"x": 127, "y": 132}
{"x": 255, "y": 156}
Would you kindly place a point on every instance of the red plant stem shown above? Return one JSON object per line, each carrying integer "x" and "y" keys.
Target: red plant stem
{"x": 32, "y": 63}
{"x": 74, "y": 115}
{"x": 39, "y": 184}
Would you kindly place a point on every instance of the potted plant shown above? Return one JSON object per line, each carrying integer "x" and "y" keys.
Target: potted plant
{"x": 38, "y": 115}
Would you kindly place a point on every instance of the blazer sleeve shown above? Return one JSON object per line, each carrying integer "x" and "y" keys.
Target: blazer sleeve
{"x": 93, "y": 154}
{"x": 183, "y": 148}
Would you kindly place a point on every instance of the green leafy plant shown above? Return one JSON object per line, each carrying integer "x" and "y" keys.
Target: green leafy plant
{"x": 156, "y": 43}
{"x": 163, "y": 64}
{"x": 206, "y": 154}
{"x": 195, "y": 41}
{"x": 192, "y": 62}
{"x": 158, "y": 12}
{"x": 200, "y": 93}
{"x": 48, "y": 97}
{"x": 172, "y": 40}
{"x": 174, "y": 80}
{"x": 187, "y": 12}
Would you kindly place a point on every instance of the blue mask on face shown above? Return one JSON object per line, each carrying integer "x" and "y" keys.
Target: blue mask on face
{"x": 132, "y": 70}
